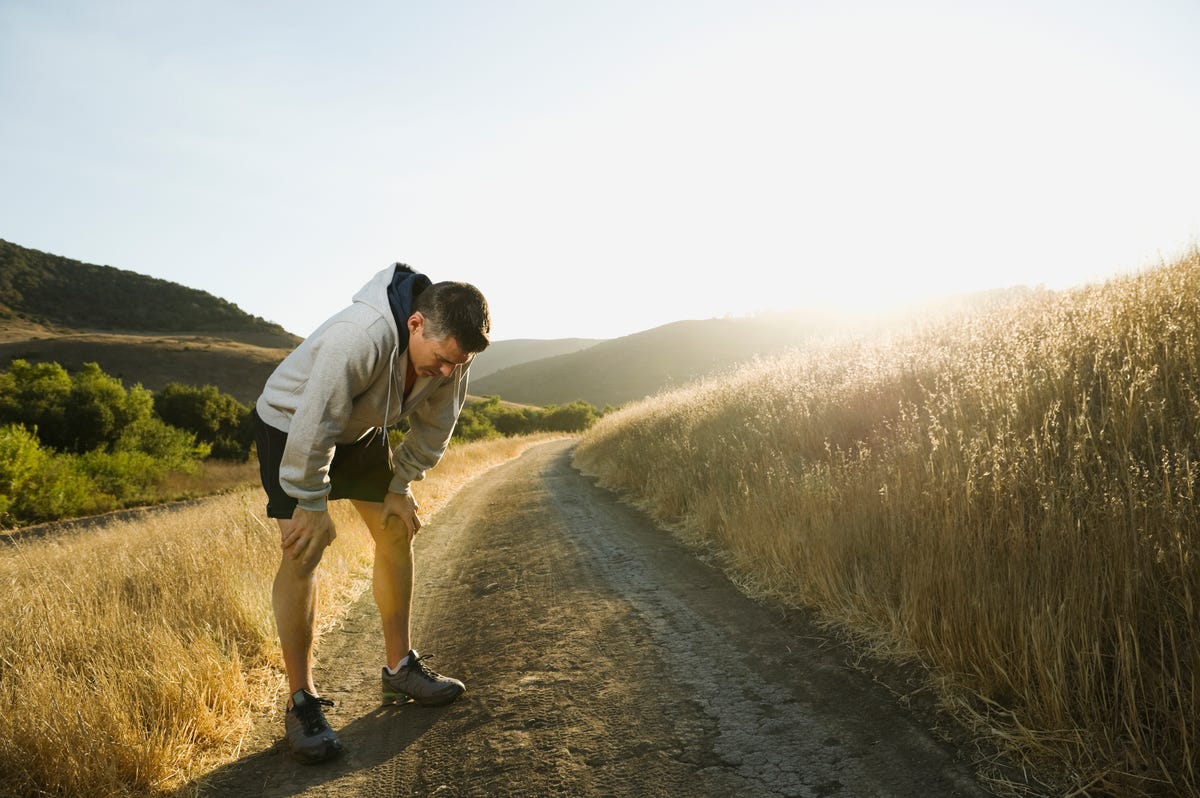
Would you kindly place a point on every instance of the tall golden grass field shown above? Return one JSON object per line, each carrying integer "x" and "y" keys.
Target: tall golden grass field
{"x": 134, "y": 658}
{"x": 1008, "y": 499}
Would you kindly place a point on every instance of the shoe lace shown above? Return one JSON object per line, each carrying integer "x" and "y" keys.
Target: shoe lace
{"x": 312, "y": 716}
{"x": 419, "y": 665}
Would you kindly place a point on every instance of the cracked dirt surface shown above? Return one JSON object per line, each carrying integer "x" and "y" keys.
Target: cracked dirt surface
{"x": 601, "y": 658}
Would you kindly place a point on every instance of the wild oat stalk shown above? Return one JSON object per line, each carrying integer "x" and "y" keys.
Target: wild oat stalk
{"x": 1009, "y": 498}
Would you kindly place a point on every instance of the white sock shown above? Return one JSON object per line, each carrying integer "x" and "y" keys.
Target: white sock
{"x": 393, "y": 671}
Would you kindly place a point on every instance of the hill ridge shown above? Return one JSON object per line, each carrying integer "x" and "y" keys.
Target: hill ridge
{"x": 55, "y": 291}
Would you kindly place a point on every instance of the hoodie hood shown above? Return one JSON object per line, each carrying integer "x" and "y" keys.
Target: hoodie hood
{"x": 402, "y": 293}
{"x": 392, "y": 293}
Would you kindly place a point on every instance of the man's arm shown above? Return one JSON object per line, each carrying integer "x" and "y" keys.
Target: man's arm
{"x": 430, "y": 428}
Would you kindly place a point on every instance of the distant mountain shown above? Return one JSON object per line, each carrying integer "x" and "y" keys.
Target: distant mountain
{"x": 505, "y": 354}
{"x": 56, "y": 291}
{"x": 138, "y": 328}
{"x": 636, "y": 366}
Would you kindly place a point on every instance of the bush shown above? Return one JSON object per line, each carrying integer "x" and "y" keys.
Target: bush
{"x": 523, "y": 420}
{"x": 173, "y": 448}
{"x": 112, "y": 450}
{"x": 516, "y": 420}
{"x": 215, "y": 418}
{"x": 126, "y": 476}
{"x": 38, "y": 485}
{"x": 71, "y": 414}
{"x": 34, "y": 396}
{"x": 474, "y": 425}
{"x": 574, "y": 417}
{"x": 99, "y": 408}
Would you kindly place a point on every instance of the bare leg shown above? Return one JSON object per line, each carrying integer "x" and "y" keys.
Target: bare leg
{"x": 393, "y": 580}
{"x": 294, "y": 599}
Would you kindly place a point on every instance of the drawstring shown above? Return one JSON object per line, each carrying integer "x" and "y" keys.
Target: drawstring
{"x": 387, "y": 408}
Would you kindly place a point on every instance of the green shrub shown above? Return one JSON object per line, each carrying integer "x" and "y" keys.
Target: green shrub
{"x": 98, "y": 409}
{"x": 39, "y": 485}
{"x": 574, "y": 417}
{"x": 173, "y": 448}
{"x": 516, "y": 420}
{"x": 474, "y": 426}
{"x": 215, "y": 418}
{"x": 522, "y": 420}
{"x": 34, "y": 396}
{"x": 70, "y": 413}
{"x": 126, "y": 476}
{"x": 74, "y": 445}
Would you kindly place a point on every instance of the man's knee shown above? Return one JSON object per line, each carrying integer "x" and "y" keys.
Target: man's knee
{"x": 394, "y": 540}
{"x": 304, "y": 564}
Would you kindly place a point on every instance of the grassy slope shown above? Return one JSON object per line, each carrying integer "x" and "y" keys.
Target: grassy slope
{"x": 636, "y": 366}
{"x": 1008, "y": 498}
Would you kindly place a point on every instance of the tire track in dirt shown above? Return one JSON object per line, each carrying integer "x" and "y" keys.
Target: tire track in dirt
{"x": 601, "y": 658}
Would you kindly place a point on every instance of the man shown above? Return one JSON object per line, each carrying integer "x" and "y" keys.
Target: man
{"x": 401, "y": 350}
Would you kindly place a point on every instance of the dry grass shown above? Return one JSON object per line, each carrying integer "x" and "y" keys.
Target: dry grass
{"x": 133, "y": 658}
{"x": 210, "y": 477}
{"x": 1009, "y": 499}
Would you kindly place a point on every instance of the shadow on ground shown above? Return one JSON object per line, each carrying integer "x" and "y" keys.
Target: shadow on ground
{"x": 369, "y": 742}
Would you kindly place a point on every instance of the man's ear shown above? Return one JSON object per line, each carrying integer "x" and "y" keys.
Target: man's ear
{"x": 414, "y": 322}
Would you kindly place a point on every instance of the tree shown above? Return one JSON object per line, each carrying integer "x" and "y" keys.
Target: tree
{"x": 34, "y": 396}
{"x": 574, "y": 417}
{"x": 516, "y": 420}
{"x": 473, "y": 425}
{"x": 98, "y": 411}
{"x": 215, "y": 418}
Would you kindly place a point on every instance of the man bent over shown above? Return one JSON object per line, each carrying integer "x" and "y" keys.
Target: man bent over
{"x": 401, "y": 350}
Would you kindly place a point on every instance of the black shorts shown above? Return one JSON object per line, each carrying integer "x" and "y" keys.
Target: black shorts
{"x": 360, "y": 470}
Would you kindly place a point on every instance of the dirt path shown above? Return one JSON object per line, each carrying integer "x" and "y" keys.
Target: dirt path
{"x": 600, "y": 658}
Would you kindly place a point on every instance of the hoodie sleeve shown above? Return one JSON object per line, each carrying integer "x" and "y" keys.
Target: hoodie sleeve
{"x": 430, "y": 427}
{"x": 344, "y": 359}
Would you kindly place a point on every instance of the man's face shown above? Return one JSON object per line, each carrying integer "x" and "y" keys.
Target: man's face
{"x": 431, "y": 357}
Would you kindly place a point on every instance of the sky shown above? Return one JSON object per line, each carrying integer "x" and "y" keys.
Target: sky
{"x": 602, "y": 168}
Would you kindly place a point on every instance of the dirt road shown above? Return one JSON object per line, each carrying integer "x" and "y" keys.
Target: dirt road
{"x": 601, "y": 658}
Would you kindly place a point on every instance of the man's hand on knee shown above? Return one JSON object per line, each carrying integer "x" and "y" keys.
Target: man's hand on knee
{"x": 401, "y": 508}
{"x": 306, "y": 533}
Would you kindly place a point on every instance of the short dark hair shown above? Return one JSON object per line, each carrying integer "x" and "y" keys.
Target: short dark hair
{"x": 458, "y": 311}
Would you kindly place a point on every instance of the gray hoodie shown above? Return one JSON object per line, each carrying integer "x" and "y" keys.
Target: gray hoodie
{"x": 346, "y": 379}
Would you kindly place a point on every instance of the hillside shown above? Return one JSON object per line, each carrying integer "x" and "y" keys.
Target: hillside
{"x": 60, "y": 292}
{"x": 505, "y": 354}
{"x": 621, "y": 370}
{"x": 138, "y": 328}
{"x": 636, "y": 366}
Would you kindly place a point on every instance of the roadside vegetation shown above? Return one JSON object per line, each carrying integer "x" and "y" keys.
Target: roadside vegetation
{"x": 134, "y": 658}
{"x": 79, "y": 444}
{"x": 491, "y": 418}
{"x": 1008, "y": 499}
